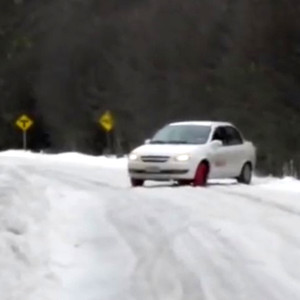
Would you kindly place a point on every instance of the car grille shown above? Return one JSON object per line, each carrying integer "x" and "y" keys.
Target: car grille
{"x": 137, "y": 171}
{"x": 152, "y": 158}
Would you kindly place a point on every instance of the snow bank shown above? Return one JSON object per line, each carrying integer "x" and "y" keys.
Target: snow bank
{"x": 74, "y": 158}
{"x": 24, "y": 258}
{"x": 287, "y": 184}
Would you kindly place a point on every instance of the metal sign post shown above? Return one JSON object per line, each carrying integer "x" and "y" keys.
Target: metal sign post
{"x": 24, "y": 123}
{"x": 107, "y": 122}
{"x": 109, "y": 150}
{"x": 24, "y": 140}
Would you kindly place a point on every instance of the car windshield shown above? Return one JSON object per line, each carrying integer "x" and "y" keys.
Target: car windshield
{"x": 182, "y": 134}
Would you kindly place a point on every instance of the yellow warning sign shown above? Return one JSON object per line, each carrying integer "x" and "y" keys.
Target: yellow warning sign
{"x": 24, "y": 122}
{"x": 107, "y": 121}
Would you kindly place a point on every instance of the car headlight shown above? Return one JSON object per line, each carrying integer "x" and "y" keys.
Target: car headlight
{"x": 182, "y": 157}
{"x": 133, "y": 156}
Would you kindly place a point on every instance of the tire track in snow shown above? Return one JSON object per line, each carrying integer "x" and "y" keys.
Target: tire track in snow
{"x": 248, "y": 253}
{"x": 261, "y": 200}
{"x": 276, "y": 224}
{"x": 227, "y": 269}
{"x": 159, "y": 274}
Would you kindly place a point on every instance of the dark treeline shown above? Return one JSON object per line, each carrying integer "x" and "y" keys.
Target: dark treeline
{"x": 65, "y": 62}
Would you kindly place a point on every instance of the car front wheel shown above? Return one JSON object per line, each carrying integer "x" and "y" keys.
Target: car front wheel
{"x": 136, "y": 182}
{"x": 183, "y": 182}
{"x": 246, "y": 174}
{"x": 201, "y": 174}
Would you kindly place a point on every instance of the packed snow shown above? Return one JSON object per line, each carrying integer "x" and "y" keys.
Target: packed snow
{"x": 72, "y": 228}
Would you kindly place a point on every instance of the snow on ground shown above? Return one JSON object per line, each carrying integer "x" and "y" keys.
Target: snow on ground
{"x": 24, "y": 226}
{"x": 71, "y": 228}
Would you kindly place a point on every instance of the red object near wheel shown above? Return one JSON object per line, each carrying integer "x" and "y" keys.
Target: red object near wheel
{"x": 136, "y": 182}
{"x": 201, "y": 174}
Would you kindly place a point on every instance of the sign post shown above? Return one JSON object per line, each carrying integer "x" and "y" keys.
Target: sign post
{"x": 24, "y": 140}
{"x": 107, "y": 122}
{"x": 24, "y": 123}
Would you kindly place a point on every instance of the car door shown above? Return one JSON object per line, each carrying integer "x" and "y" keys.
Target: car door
{"x": 235, "y": 151}
{"x": 219, "y": 157}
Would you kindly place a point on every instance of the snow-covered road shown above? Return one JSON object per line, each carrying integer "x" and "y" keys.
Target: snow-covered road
{"x": 71, "y": 228}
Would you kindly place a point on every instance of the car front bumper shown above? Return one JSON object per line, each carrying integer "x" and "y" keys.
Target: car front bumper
{"x": 160, "y": 171}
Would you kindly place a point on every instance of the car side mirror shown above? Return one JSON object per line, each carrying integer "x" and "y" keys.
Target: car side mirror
{"x": 216, "y": 144}
{"x": 147, "y": 141}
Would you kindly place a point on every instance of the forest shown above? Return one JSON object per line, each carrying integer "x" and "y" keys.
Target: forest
{"x": 64, "y": 63}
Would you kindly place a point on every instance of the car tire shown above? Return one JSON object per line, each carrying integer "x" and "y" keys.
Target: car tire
{"x": 183, "y": 182}
{"x": 136, "y": 182}
{"x": 201, "y": 174}
{"x": 246, "y": 174}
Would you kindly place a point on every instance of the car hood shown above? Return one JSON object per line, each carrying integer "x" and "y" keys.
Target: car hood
{"x": 169, "y": 149}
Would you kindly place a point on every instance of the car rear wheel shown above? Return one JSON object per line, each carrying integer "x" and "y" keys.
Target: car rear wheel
{"x": 136, "y": 182}
{"x": 201, "y": 174}
{"x": 246, "y": 174}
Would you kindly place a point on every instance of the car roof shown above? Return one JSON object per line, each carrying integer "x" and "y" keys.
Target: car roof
{"x": 203, "y": 123}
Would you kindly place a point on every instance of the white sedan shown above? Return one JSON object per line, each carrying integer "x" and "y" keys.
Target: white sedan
{"x": 193, "y": 152}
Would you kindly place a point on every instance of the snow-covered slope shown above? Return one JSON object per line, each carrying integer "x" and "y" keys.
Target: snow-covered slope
{"x": 71, "y": 228}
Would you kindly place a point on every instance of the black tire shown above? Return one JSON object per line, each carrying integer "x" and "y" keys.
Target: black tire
{"x": 246, "y": 174}
{"x": 183, "y": 182}
{"x": 136, "y": 182}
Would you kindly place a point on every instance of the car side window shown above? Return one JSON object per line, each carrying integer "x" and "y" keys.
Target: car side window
{"x": 220, "y": 135}
{"x": 233, "y": 136}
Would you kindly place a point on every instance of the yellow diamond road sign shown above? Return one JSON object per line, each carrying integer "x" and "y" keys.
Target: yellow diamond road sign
{"x": 107, "y": 121}
{"x": 24, "y": 122}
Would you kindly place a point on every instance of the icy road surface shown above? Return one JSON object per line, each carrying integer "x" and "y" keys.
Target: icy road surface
{"x": 71, "y": 228}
